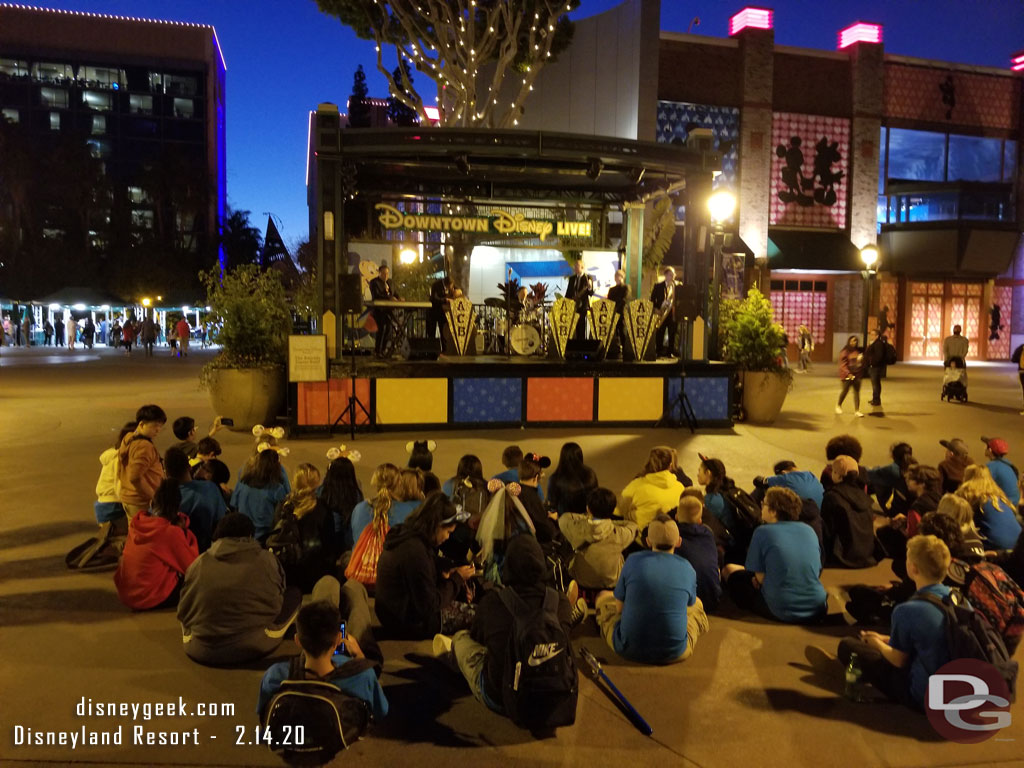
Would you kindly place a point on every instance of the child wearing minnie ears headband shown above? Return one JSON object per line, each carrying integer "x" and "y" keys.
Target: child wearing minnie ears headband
{"x": 340, "y": 493}
{"x": 262, "y": 487}
{"x": 531, "y": 471}
{"x": 267, "y": 438}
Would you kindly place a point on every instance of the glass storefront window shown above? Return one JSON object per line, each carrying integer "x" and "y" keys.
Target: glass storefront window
{"x": 13, "y": 68}
{"x": 974, "y": 158}
{"x": 916, "y": 155}
{"x": 184, "y": 108}
{"x": 881, "y": 160}
{"x": 10, "y": 115}
{"x": 47, "y": 72}
{"x": 53, "y": 97}
{"x": 1009, "y": 160}
{"x": 101, "y": 101}
{"x": 140, "y": 104}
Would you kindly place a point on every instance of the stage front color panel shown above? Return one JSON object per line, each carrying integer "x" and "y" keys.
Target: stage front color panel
{"x": 630, "y": 399}
{"x": 319, "y": 403}
{"x": 709, "y": 397}
{"x": 412, "y": 401}
{"x": 487, "y": 400}
{"x": 560, "y": 399}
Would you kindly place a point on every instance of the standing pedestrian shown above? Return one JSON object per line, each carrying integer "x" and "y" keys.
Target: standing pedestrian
{"x": 955, "y": 346}
{"x": 72, "y": 331}
{"x": 115, "y": 334}
{"x": 1018, "y": 358}
{"x": 184, "y": 332}
{"x": 851, "y": 369}
{"x": 876, "y": 357}
{"x": 88, "y": 332}
{"x": 27, "y": 321}
{"x": 128, "y": 335}
{"x": 147, "y": 334}
{"x": 805, "y": 345}
{"x": 47, "y": 333}
{"x": 58, "y": 329}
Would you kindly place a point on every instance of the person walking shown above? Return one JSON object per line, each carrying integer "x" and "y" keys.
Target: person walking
{"x": 876, "y": 357}
{"x": 88, "y": 332}
{"x": 47, "y": 333}
{"x": 72, "y": 331}
{"x": 128, "y": 335}
{"x": 805, "y": 344}
{"x": 184, "y": 331}
{"x": 147, "y": 335}
{"x": 851, "y": 369}
{"x": 1018, "y": 358}
{"x": 955, "y": 346}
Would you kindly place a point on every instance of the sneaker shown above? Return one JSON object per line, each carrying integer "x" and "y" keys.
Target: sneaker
{"x": 579, "y": 613}
{"x": 442, "y": 645}
{"x": 839, "y": 409}
{"x": 572, "y": 592}
{"x": 824, "y": 663}
{"x": 859, "y": 415}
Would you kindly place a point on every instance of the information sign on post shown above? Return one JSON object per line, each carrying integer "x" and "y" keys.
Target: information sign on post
{"x": 307, "y": 358}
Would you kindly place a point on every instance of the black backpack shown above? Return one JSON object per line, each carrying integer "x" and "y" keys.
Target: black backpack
{"x": 970, "y": 636}
{"x": 748, "y": 511}
{"x": 541, "y": 682}
{"x": 472, "y": 499}
{"x": 310, "y": 719}
{"x": 285, "y": 541}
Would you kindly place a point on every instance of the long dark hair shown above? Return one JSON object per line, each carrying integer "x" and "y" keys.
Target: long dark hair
{"x": 265, "y": 471}
{"x": 166, "y": 501}
{"x": 426, "y": 518}
{"x": 719, "y": 480}
{"x": 341, "y": 488}
{"x": 570, "y": 463}
{"x": 470, "y": 467}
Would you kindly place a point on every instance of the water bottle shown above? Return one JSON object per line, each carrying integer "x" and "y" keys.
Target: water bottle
{"x": 854, "y": 690}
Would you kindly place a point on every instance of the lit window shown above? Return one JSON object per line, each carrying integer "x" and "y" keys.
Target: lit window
{"x": 46, "y": 72}
{"x": 184, "y": 108}
{"x": 55, "y": 121}
{"x": 916, "y": 155}
{"x": 53, "y": 97}
{"x": 100, "y": 77}
{"x": 142, "y": 219}
{"x": 137, "y": 195}
{"x": 98, "y": 148}
{"x": 139, "y": 104}
{"x": 99, "y": 124}
{"x": 10, "y": 115}
{"x": 98, "y": 100}
{"x": 1009, "y": 160}
{"x": 179, "y": 85}
{"x": 13, "y": 68}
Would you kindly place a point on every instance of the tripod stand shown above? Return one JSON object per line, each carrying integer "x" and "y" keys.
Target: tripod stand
{"x": 353, "y": 400}
{"x": 685, "y": 409}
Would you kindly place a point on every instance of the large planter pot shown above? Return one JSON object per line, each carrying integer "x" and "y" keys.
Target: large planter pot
{"x": 763, "y": 395}
{"x": 250, "y": 396}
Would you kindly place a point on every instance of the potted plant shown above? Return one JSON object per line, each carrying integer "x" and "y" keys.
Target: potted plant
{"x": 756, "y": 343}
{"x": 250, "y": 319}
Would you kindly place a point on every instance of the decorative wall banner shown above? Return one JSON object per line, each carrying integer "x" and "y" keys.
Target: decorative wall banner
{"x": 603, "y": 319}
{"x": 563, "y": 317}
{"x": 809, "y": 169}
{"x": 496, "y": 221}
{"x": 461, "y": 321}
{"x": 640, "y": 322}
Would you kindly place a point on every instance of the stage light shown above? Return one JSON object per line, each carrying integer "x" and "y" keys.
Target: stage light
{"x": 721, "y": 205}
{"x": 407, "y": 256}
{"x": 869, "y": 255}
{"x": 146, "y": 302}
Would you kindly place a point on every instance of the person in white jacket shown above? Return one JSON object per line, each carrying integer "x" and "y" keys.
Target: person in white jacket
{"x": 107, "y": 507}
{"x": 654, "y": 491}
{"x": 597, "y": 541}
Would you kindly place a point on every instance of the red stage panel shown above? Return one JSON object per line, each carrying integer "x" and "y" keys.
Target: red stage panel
{"x": 560, "y": 399}
{"x": 312, "y": 410}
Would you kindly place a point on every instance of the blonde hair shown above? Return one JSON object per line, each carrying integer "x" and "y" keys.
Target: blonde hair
{"x": 930, "y": 556}
{"x": 304, "y": 485}
{"x": 386, "y": 478}
{"x": 960, "y": 510}
{"x": 410, "y": 486}
{"x": 690, "y": 509}
{"x": 693, "y": 493}
{"x": 978, "y": 487}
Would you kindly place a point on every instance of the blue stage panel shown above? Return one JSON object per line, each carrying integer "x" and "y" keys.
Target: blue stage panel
{"x": 709, "y": 396}
{"x": 487, "y": 400}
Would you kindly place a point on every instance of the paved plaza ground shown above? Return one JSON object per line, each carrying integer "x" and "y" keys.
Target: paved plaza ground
{"x": 746, "y": 698}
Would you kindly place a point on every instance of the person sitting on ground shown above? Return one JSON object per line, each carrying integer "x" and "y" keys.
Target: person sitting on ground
{"x": 654, "y": 615}
{"x": 207, "y": 448}
{"x": 994, "y": 515}
{"x": 140, "y": 470}
{"x": 597, "y": 541}
{"x": 260, "y": 491}
{"x": 698, "y": 547}
{"x": 414, "y": 600}
{"x": 782, "y": 578}
{"x": 157, "y": 553}
{"x": 804, "y": 484}
{"x": 317, "y": 636}
{"x": 531, "y": 471}
{"x": 388, "y": 503}
{"x": 201, "y": 500}
{"x": 653, "y": 490}
{"x": 235, "y": 606}
{"x": 481, "y": 652}
{"x": 924, "y": 484}
{"x": 314, "y": 555}
{"x": 842, "y": 445}
{"x": 421, "y": 454}
{"x": 1003, "y": 472}
{"x": 676, "y": 470}
{"x": 184, "y": 429}
{"x": 108, "y": 508}
{"x": 887, "y": 482}
{"x": 952, "y": 466}
{"x": 961, "y": 512}
{"x": 847, "y": 516}
{"x": 267, "y": 438}
{"x": 899, "y": 664}
{"x": 217, "y": 472}
{"x": 571, "y": 482}
{"x": 711, "y": 475}
{"x": 469, "y": 469}
{"x": 340, "y": 493}
{"x": 510, "y": 459}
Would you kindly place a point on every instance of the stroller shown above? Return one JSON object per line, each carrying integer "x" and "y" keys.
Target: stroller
{"x": 954, "y": 381}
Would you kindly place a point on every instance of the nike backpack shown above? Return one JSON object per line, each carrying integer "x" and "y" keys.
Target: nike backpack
{"x": 541, "y": 682}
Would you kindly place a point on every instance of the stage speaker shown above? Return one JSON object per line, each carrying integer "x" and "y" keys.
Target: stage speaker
{"x": 687, "y": 301}
{"x": 586, "y": 350}
{"x": 350, "y": 293}
{"x": 424, "y": 349}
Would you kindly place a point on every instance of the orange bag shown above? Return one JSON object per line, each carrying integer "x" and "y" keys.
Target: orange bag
{"x": 362, "y": 565}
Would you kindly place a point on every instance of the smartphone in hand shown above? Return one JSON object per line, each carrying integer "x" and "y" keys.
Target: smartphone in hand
{"x": 341, "y": 647}
{"x": 227, "y": 422}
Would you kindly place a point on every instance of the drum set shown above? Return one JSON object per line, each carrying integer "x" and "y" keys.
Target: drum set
{"x": 526, "y": 335}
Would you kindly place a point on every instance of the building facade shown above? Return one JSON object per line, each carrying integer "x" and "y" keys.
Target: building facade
{"x": 113, "y": 130}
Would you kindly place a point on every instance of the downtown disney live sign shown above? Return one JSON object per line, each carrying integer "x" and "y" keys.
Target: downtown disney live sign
{"x": 494, "y": 222}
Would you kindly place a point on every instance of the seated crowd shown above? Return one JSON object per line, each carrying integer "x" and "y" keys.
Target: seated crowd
{"x": 469, "y": 562}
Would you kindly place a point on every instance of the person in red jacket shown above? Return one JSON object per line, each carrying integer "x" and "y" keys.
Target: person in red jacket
{"x": 851, "y": 369}
{"x": 158, "y": 551}
{"x": 184, "y": 331}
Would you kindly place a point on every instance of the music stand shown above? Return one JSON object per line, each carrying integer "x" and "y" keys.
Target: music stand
{"x": 353, "y": 400}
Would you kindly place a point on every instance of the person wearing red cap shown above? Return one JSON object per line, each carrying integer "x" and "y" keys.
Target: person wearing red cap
{"x": 1003, "y": 472}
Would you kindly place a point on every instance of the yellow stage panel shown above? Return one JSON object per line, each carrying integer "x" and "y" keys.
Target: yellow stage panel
{"x": 629, "y": 399}
{"x": 412, "y": 401}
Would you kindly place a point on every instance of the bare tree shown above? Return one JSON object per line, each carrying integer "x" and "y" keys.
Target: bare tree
{"x": 468, "y": 48}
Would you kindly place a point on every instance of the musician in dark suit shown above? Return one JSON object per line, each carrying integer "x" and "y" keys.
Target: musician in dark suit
{"x": 380, "y": 290}
{"x": 619, "y": 293}
{"x": 440, "y": 292}
{"x": 663, "y": 296}
{"x": 580, "y": 289}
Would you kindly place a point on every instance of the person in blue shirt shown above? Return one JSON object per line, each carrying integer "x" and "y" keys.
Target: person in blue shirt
{"x": 994, "y": 515}
{"x": 511, "y": 458}
{"x": 697, "y": 545}
{"x": 711, "y": 475}
{"x": 781, "y": 580}
{"x": 1003, "y": 472}
{"x": 260, "y": 491}
{"x": 201, "y": 501}
{"x": 397, "y": 496}
{"x": 804, "y": 484}
{"x": 899, "y": 664}
{"x": 317, "y": 636}
{"x": 888, "y": 483}
{"x": 654, "y": 616}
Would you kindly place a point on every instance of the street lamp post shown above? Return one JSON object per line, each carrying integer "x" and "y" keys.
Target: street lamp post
{"x": 868, "y": 255}
{"x": 721, "y": 206}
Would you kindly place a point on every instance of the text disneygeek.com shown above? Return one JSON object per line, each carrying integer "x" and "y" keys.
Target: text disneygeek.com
{"x": 133, "y": 733}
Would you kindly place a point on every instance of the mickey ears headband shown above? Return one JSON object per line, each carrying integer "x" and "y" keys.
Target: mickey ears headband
{"x": 494, "y": 485}
{"x": 281, "y": 450}
{"x": 431, "y": 446}
{"x": 276, "y": 432}
{"x": 341, "y": 452}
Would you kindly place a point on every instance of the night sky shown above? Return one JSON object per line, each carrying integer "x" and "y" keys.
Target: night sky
{"x": 284, "y": 57}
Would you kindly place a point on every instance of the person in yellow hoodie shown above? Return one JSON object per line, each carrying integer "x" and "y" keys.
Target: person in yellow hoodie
{"x": 654, "y": 491}
{"x": 139, "y": 468}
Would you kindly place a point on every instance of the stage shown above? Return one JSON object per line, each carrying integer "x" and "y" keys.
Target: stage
{"x": 496, "y": 391}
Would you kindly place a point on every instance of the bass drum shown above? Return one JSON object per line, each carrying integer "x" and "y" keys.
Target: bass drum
{"x": 525, "y": 339}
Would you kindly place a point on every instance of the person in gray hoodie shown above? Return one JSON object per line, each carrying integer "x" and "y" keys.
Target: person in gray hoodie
{"x": 597, "y": 541}
{"x": 235, "y": 606}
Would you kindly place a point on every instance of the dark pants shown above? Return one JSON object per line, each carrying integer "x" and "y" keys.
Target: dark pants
{"x": 1021, "y": 375}
{"x": 354, "y": 606}
{"x": 582, "y": 311}
{"x": 847, "y": 385}
{"x": 669, "y": 348}
{"x": 890, "y": 680}
{"x": 385, "y": 327}
{"x": 741, "y": 589}
{"x": 434, "y": 319}
{"x": 876, "y": 372}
